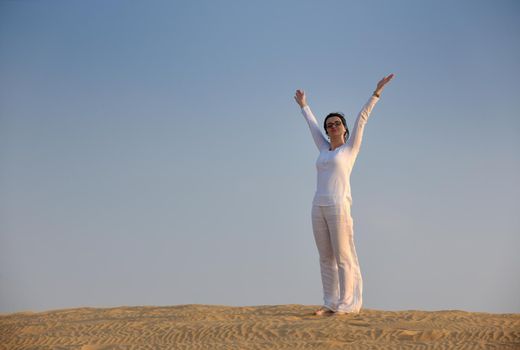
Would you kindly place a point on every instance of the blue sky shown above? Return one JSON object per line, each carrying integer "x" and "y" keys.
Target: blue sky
{"x": 151, "y": 153}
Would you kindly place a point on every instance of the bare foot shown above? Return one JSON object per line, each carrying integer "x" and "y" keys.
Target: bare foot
{"x": 323, "y": 311}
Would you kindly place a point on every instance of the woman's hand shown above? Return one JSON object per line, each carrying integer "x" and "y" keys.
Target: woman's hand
{"x": 300, "y": 98}
{"x": 382, "y": 83}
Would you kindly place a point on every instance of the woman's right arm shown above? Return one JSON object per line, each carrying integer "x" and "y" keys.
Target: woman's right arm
{"x": 320, "y": 140}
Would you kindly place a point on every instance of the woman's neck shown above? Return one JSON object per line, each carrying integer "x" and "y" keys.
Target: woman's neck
{"x": 336, "y": 142}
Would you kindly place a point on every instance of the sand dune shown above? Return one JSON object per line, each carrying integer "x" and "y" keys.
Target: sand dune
{"x": 258, "y": 327}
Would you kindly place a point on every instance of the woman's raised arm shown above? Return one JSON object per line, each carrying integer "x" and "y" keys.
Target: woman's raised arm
{"x": 357, "y": 133}
{"x": 320, "y": 140}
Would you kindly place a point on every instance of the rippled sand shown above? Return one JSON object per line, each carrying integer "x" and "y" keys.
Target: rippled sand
{"x": 258, "y": 327}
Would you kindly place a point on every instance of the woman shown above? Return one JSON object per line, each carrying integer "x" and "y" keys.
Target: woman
{"x": 332, "y": 223}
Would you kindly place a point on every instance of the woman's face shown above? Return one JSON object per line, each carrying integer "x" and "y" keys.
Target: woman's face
{"x": 335, "y": 127}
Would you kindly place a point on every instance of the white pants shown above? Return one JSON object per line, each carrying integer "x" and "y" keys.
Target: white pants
{"x": 340, "y": 272}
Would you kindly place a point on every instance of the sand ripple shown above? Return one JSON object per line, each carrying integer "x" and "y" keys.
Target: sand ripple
{"x": 259, "y": 327}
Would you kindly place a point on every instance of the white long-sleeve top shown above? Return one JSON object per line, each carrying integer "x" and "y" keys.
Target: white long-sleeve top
{"x": 334, "y": 167}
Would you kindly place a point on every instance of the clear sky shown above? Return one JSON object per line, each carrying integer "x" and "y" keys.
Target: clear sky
{"x": 151, "y": 152}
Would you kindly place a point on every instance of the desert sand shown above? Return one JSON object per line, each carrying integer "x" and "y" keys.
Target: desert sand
{"x": 255, "y": 327}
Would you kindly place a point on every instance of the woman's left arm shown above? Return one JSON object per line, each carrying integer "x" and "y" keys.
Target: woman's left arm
{"x": 356, "y": 136}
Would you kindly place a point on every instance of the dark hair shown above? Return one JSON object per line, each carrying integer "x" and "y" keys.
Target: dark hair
{"x": 343, "y": 121}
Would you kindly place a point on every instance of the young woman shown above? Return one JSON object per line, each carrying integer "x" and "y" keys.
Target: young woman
{"x": 331, "y": 220}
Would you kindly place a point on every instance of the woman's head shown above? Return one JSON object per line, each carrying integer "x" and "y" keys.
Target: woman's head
{"x": 335, "y": 124}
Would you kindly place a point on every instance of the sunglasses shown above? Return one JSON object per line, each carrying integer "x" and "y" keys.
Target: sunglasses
{"x": 336, "y": 124}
